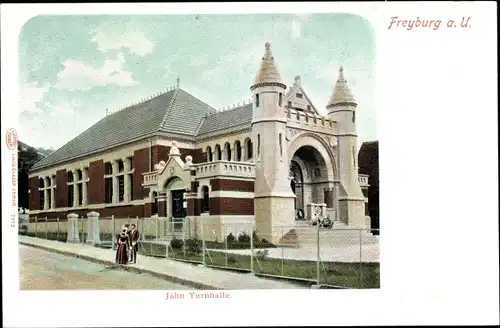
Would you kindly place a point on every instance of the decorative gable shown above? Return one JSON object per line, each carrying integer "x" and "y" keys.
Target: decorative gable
{"x": 296, "y": 98}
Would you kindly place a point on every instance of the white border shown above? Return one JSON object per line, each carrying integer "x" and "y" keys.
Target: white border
{"x": 436, "y": 113}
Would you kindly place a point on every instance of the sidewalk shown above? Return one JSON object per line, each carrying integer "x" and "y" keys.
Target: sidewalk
{"x": 177, "y": 272}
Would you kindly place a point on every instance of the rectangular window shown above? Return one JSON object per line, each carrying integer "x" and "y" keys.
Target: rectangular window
{"x": 290, "y": 104}
{"x": 299, "y": 95}
{"x": 49, "y": 194}
{"x": 108, "y": 191}
{"x": 42, "y": 199}
{"x": 80, "y": 194}
{"x": 367, "y": 210}
{"x": 353, "y": 117}
{"x": 121, "y": 188}
{"x": 108, "y": 168}
{"x": 258, "y": 145}
{"x": 281, "y": 145}
{"x": 131, "y": 176}
{"x": 120, "y": 166}
{"x": 354, "y": 157}
{"x": 257, "y": 100}
{"x": 70, "y": 195}
{"x": 280, "y": 100}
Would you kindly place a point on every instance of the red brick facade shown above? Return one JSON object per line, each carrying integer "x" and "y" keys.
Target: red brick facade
{"x": 232, "y": 185}
{"x": 61, "y": 188}
{"x": 96, "y": 192}
{"x": 231, "y": 206}
{"x": 130, "y": 211}
{"x": 34, "y": 194}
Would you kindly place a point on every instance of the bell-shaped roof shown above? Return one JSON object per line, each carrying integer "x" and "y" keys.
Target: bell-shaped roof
{"x": 268, "y": 73}
{"x": 341, "y": 92}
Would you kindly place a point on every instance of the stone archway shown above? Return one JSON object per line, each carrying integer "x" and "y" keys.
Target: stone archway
{"x": 312, "y": 171}
{"x": 175, "y": 189}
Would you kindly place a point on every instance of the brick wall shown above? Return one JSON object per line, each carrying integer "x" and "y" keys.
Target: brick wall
{"x": 130, "y": 211}
{"x": 34, "y": 194}
{"x": 231, "y": 206}
{"x": 141, "y": 165}
{"x": 232, "y": 185}
{"x": 61, "y": 188}
{"x": 96, "y": 191}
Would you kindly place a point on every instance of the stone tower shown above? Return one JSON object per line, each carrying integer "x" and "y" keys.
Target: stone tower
{"x": 342, "y": 108}
{"x": 274, "y": 199}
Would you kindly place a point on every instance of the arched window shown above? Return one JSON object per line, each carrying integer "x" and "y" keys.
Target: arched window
{"x": 154, "y": 205}
{"x": 249, "y": 149}
{"x": 237, "y": 147}
{"x": 227, "y": 151}
{"x": 209, "y": 154}
{"x": 205, "y": 202}
{"x": 218, "y": 153}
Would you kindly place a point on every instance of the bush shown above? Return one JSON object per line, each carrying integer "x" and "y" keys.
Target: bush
{"x": 230, "y": 238}
{"x": 255, "y": 236}
{"x": 194, "y": 246}
{"x": 176, "y": 243}
{"x": 243, "y": 238}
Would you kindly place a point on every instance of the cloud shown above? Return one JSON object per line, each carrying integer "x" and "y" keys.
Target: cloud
{"x": 296, "y": 30}
{"x": 135, "y": 41}
{"x": 31, "y": 96}
{"x": 77, "y": 75}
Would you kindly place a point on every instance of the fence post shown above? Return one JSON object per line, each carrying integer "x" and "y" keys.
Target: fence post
{"x": 184, "y": 237}
{"x": 251, "y": 250}
{"x": 203, "y": 241}
{"x": 282, "y": 252}
{"x": 156, "y": 228}
{"x": 360, "y": 258}
{"x": 225, "y": 238}
{"x": 318, "y": 255}
{"x": 36, "y": 226}
{"x": 46, "y": 227}
{"x": 57, "y": 228}
{"x": 113, "y": 232}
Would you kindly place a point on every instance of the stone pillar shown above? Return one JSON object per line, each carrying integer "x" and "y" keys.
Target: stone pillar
{"x": 162, "y": 200}
{"x": 84, "y": 187}
{"x": 53, "y": 192}
{"x": 75, "y": 189}
{"x": 73, "y": 236}
{"x": 93, "y": 237}
{"x": 46, "y": 191}
{"x": 328, "y": 195}
{"x": 115, "y": 182}
{"x": 126, "y": 180}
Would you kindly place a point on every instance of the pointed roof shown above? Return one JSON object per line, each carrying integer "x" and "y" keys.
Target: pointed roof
{"x": 297, "y": 87}
{"x": 341, "y": 92}
{"x": 268, "y": 73}
{"x": 174, "y": 112}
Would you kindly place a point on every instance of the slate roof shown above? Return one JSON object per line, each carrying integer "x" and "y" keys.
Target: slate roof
{"x": 175, "y": 111}
{"x": 239, "y": 116}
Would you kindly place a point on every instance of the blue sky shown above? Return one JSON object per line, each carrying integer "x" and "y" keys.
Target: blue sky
{"x": 73, "y": 68}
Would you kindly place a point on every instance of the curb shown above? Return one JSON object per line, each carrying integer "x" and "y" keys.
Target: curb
{"x": 164, "y": 276}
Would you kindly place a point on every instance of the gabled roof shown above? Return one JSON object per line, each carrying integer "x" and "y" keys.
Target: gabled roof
{"x": 225, "y": 120}
{"x": 175, "y": 111}
{"x": 297, "y": 87}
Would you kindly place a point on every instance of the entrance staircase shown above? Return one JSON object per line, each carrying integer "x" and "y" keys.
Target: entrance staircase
{"x": 339, "y": 235}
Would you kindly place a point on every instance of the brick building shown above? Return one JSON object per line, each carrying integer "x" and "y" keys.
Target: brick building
{"x": 175, "y": 156}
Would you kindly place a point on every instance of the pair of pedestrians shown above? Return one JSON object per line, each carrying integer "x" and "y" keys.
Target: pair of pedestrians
{"x": 127, "y": 244}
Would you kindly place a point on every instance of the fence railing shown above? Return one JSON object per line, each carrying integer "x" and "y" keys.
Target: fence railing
{"x": 336, "y": 258}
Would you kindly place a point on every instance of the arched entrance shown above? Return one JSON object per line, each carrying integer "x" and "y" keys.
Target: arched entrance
{"x": 175, "y": 202}
{"x": 312, "y": 172}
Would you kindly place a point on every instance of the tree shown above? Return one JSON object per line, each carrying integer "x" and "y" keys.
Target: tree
{"x": 25, "y": 161}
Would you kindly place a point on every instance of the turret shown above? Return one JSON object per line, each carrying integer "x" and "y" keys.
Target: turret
{"x": 274, "y": 199}
{"x": 342, "y": 107}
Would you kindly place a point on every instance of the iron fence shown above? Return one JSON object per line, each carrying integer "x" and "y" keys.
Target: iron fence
{"x": 331, "y": 257}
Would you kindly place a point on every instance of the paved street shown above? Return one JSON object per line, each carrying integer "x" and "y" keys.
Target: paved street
{"x": 42, "y": 270}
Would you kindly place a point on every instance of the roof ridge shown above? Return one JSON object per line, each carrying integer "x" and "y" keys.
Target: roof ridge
{"x": 169, "y": 108}
{"x": 229, "y": 109}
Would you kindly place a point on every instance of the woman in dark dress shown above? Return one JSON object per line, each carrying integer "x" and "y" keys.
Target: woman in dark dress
{"x": 121, "y": 249}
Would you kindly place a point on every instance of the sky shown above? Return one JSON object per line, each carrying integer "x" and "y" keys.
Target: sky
{"x": 74, "y": 68}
